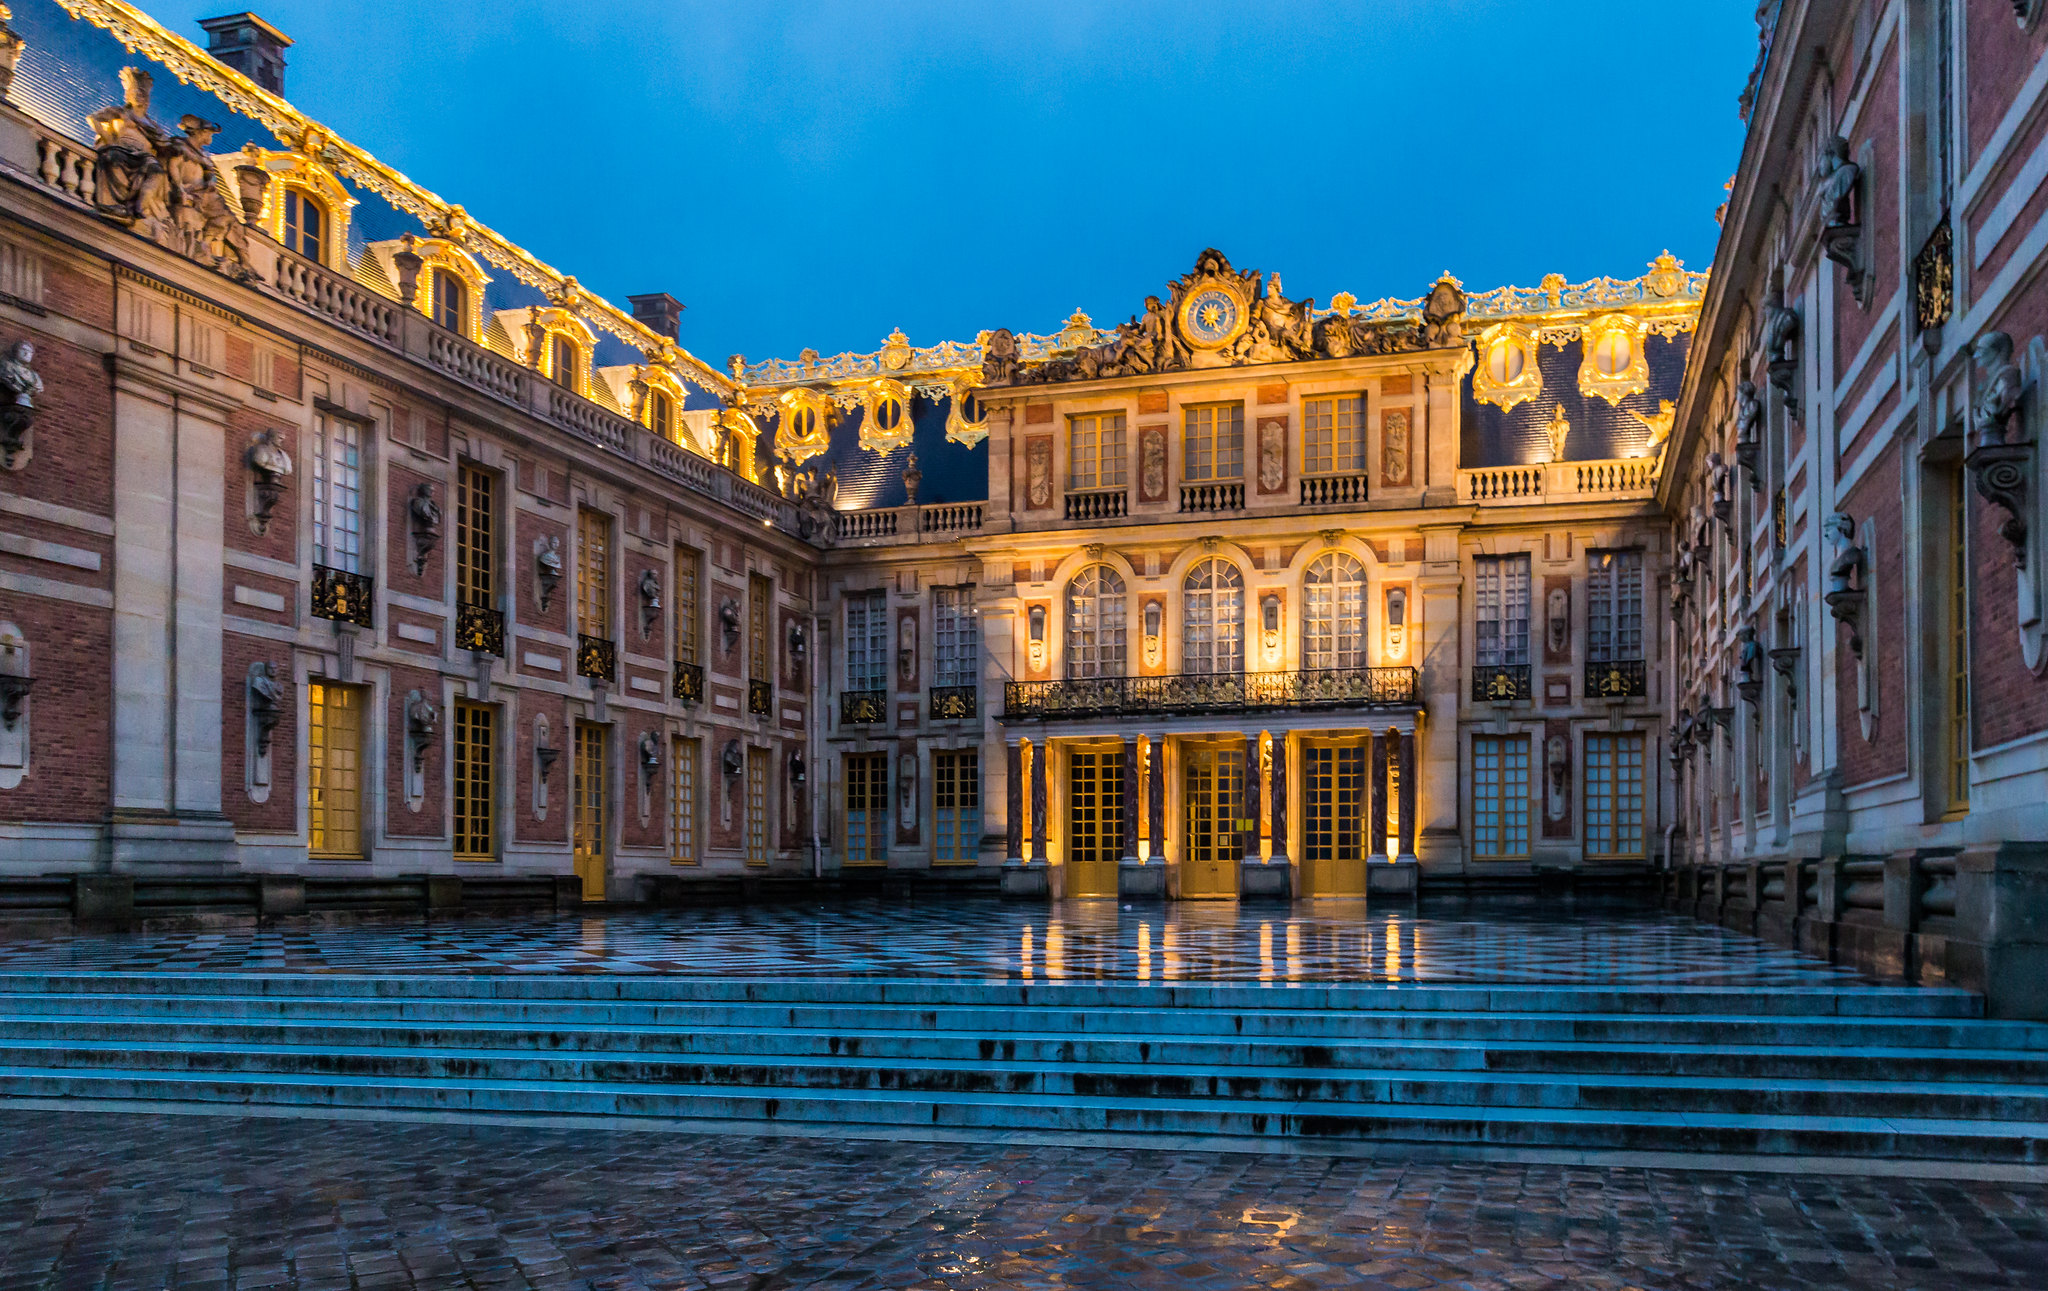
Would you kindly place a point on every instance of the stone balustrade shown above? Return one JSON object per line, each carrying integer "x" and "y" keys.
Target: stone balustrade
{"x": 1614, "y": 479}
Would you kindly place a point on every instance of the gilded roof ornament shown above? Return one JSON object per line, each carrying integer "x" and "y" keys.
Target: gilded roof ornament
{"x": 896, "y": 352}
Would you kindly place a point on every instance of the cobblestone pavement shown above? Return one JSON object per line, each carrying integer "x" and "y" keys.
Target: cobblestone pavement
{"x": 1517, "y": 940}
{"x": 116, "y": 1201}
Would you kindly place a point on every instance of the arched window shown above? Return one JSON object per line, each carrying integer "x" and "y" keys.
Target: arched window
{"x": 661, "y": 414}
{"x": 305, "y": 225}
{"x": 1095, "y": 623}
{"x": 1333, "y": 613}
{"x": 562, "y": 360}
{"x": 1212, "y": 618}
{"x": 451, "y": 301}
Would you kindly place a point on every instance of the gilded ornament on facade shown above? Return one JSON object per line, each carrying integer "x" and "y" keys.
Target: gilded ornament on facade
{"x": 805, "y": 427}
{"x": 965, "y": 427}
{"x": 885, "y": 422}
{"x": 1507, "y": 371}
{"x": 896, "y": 351}
{"x": 1557, "y": 430}
{"x": 1613, "y": 366}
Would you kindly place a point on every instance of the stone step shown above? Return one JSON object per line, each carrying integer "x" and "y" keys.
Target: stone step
{"x": 1844, "y": 1001}
{"x": 1950, "y": 1099}
{"x": 759, "y": 1040}
{"x": 915, "y": 1114}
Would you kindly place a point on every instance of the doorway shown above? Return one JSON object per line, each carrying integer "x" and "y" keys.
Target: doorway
{"x": 1333, "y": 819}
{"x": 590, "y": 823}
{"x": 1212, "y": 793}
{"x": 1095, "y": 822}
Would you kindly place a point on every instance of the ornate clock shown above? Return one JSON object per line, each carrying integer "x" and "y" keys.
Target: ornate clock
{"x": 1212, "y": 316}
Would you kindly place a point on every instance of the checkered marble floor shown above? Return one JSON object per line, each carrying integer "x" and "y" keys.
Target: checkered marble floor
{"x": 1512, "y": 940}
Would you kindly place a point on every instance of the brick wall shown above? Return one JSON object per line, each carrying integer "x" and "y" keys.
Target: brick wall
{"x": 280, "y": 814}
{"x": 70, "y": 711}
{"x": 1876, "y": 498}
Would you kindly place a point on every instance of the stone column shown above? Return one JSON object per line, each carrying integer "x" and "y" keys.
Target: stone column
{"x": 1435, "y": 648}
{"x": 1248, "y": 804}
{"x": 1130, "y": 811}
{"x": 1039, "y": 751}
{"x": 1376, "y": 799}
{"x": 1279, "y": 800}
{"x": 1013, "y": 758}
{"x": 1155, "y": 805}
{"x": 1404, "y": 751}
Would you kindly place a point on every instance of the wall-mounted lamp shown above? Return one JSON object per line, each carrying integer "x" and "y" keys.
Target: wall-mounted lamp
{"x": 1269, "y": 617}
{"x": 1153, "y": 613}
{"x": 1397, "y": 622}
{"x": 733, "y": 760}
{"x": 796, "y": 766}
{"x": 1037, "y": 630}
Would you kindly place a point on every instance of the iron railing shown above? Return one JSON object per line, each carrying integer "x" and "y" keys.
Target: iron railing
{"x": 343, "y": 595}
{"x": 1221, "y": 692}
{"x": 596, "y": 658}
{"x": 1500, "y": 682}
{"x": 688, "y": 683}
{"x": 480, "y": 628}
{"x": 863, "y": 707}
{"x": 954, "y": 703}
{"x": 760, "y": 697}
{"x": 1617, "y": 679}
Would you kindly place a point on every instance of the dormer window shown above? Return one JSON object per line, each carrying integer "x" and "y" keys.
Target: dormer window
{"x": 305, "y": 225}
{"x": 562, "y": 361}
{"x": 450, "y": 301}
{"x": 661, "y": 414}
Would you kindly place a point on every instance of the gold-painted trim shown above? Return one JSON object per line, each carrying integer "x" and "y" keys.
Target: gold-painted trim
{"x": 1518, "y": 389}
{"x": 1634, "y": 377}
{"x": 1201, "y": 287}
{"x": 876, "y": 397}
{"x": 804, "y": 429}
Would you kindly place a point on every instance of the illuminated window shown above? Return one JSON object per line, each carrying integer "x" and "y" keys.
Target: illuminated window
{"x": 590, "y": 825}
{"x": 956, "y": 807}
{"x": 1095, "y": 623}
{"x": 867, "y": 808}
{"x": 450, "y": 301}
{"x": 867, "y": 641}
{"x": 1501, "y": 599}
{"x": 1958, "y": 644}
{"x": 1212, "y": 799}
{"x": 1213, "y": 445}
{"x": 1333, "y": 793}
{"x": 1614, "y": 606}
{"x": 689, "y": 563}
{"x": 759, "y": 666}
{"x": 682, "y": 801}
{"x": 1212, "y": 618}
{"x": 476, "y": 804}
{"x": 956, "y": 637}
{"x": 661, "y": 414}
{"x": 1333, "y": 612}
{"x": 1333, "y": 435}
{"x": 562, "y": 360}
{"x": 337, "y": 493}
{"x": 1095, "y": 808}
{"x": 1614, "y": 795}
{"x": 305, "y": 225}
{"x": 1095, "y": 452}
{"x": 334, "y": 770}
{"x": 1500, "y": 796}
{"x": 593, "y": 574}
{"x": 476, "y": 537}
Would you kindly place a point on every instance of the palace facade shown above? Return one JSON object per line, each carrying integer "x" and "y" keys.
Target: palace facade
{"x": 342, "y": 539}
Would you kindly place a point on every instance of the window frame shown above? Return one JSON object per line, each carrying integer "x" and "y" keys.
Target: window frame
{"x": 1108, "y": 454}
{"x": 442, "y": 308}
{"x": 1501, "y": 815}
{"x": 476, "y": 536}
{"x": 1329, "y": 606}
{"x": 594, "y": 573}
{"x": 298, "y": 202}
{"x": 1208, "y": 446}
{"x": 475, "y": 729}
{"x": 342, "y": 795}
{"x": 956, "y": 637}
{"x": 1332, "y": 435}
{"x": 1497, "y": 581}
{"x": 864, "y": 809}
{"x": 1106, "y": 630}
{"x": 1615, "y": 779}
{"x": 867, "y": 640}
{"x": 956, "y": 806}
{"x": 685, "y": 754}
{"x": 1614, "y": 605}
{"x": 688, "y": 596}
{"x": 1222, "y": 641}
{"x": 339, "y": 464}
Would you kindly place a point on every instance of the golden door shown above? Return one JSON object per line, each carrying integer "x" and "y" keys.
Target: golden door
{"x": 334, "y": 775}
{"x": 1095, "y": 823}
{"x": 1212, "y": 792}
{"x": 1333, "y": 818}
{"x": 588, "y": 807}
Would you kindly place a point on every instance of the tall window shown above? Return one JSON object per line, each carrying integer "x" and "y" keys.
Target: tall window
{"x": 476, "y": 543}
{"x": 1614, "y": 606}
{"x": 1095, "y": 623}
{"x": 1333, "y": 612}
{"x": 682, "y": 801}
{"x": 1213, "y": 446}
{"x": 1095, "y": 808}
{"x": 475, "y": 782}
{"x": 450, "y": 301}
{"x": 956, "y": 806}
{"x": 661, "y": 414}
{"x": 561, "y": 360}
{"x": 593, "y": 574}
{"x": 1212, "y": 798}
{"x": 337, "y": 493}
{"x": 759, "y": 667}
{"x": 1333, "y": 792}
{"x": 867, "y": 641}
{"x": 589, "y": 829}
{"x": 1333, "y": 435}
{"x": 757, "y": 807}
{"x": 1958, "y": 644}
{"x": 1212, "y": 618}
{"x": 1500, "y": 795}
{"x": 305, "y": 225}
{"x": 867, "y": 808}
{"x": 1095, "y": 451}
{"x": 1614, "y": 795}
{"x": 689, "y": 564}
{"x": 1501, "y": 599}
{"x": 334, "y": 770}
{"x": 956, "y": 637}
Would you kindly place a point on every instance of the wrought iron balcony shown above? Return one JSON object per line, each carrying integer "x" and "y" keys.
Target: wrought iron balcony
{"x": 760, "y": 697}
{"x": 344, "y": 596}
{"x": 1500, "y": 682}
{"x": 954, "y": 703}
{"x": 1221, "y": 692}
{"x": 1617, "y": 679}
{"x": 480, "y": 628}
{"x": 863, "y": 707}
{"x": 688, "y": 683}
{"x": 596, "y": 658}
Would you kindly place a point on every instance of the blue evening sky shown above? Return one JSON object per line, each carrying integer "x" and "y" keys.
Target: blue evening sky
{"x": 804, "y": 173}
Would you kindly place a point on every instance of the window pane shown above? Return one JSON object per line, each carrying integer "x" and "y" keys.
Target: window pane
{"x": 1095, "y": 623}
{"x": 337, "y": 493}
{"x": 1501, "y": 608}
{"x": 1333, "y": 605}
{"x": 867, "y": 629}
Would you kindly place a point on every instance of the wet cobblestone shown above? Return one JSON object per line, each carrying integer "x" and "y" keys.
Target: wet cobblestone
{"x": 117, "y": 1201}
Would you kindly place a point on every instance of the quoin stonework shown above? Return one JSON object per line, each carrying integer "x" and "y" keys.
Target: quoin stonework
{"x": 352, "y": 554}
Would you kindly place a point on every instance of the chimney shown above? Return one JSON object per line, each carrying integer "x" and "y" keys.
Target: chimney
{"x": 660, "y": 313}
{"x": 249, "y": 45}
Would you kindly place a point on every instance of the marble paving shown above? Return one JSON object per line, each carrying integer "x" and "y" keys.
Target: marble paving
{"x": 1559, "y": 942}
{"x": 115, "y": 1201}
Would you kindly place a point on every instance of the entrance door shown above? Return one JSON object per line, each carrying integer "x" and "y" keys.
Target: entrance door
{"x": 1095, "y": 822}
{"x": 1333, "y": 819}
{"x": 1212, "y": 789}
{"x": 589, "y": 808}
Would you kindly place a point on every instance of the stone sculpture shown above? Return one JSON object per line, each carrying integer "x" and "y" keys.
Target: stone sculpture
{"x": 424, "y": 517}
{"x": 266, "y": 703}
{"x": 208, "y": 229}
{"x": 271, "y": 466}
{"x": 1999, "y": 387}
{"x": 650, "y": 600}
{"x": 19, "y": 386}
{"x": 2000, "y": 462}
{"x": 11, "y": 47}
{"x": 422, "y": 724}
{"x": 547, "y": 568}
{"x": 133, "y": 188}
{"x": 1443, "y": 315}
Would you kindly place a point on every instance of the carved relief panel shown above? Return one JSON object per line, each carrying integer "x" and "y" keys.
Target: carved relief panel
{"x": 1272, "y": 455}
{"x": 1038, "y": 473}
{"x": 1395, "y": 454}
{"x": 1152, "y": 464}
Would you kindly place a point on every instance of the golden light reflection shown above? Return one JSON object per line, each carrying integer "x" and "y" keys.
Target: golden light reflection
{"x": 1144, "y": 952}
{"x": 1173, "y": 964}
{"x": 1024, "y": 953}
{"x": 1055, "y": 952}
{"x": 1393, "y": 968}
{"x": 1266, "y": 951}
{"x": 593, "y": 938}
{"x": 1293, "y": 951}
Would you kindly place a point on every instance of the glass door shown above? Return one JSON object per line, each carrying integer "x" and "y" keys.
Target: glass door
{"x": 1212, "y": 794}
{"x": 589, "y": 808}
{"x": 1333, "y": 819}
{"x": 1095, "y": 822}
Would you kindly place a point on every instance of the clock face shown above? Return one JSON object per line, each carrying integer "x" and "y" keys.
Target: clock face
{"x": 1211, "y": 318}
